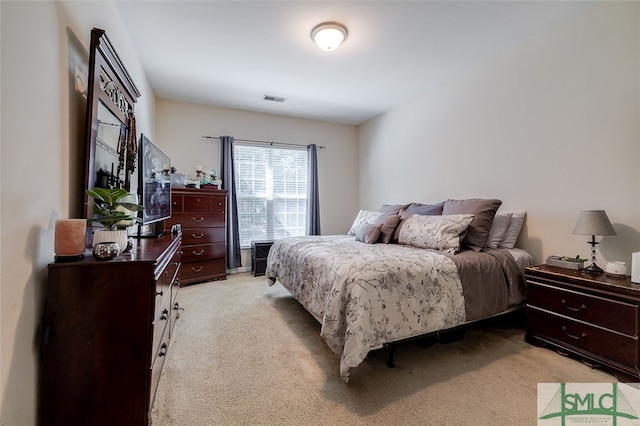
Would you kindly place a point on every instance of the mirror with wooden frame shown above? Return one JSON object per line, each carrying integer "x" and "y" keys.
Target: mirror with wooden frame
{"x": 110, "y": 134}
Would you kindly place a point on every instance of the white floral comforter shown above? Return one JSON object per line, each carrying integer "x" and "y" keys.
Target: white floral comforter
{"x": 366, "y": 295}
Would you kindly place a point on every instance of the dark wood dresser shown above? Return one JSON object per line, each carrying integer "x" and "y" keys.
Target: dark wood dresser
{"x": 105, "y": 333}
{"x": 202, "y": 216}
{"x": 593, "y": 317}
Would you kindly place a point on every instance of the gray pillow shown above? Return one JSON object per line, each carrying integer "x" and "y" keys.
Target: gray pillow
{"x": 483, "y": 211}
{"x": 426, "y": 209}
{"x": 389, "y": 222}
{"x": 390, "y": 208}
{"x": 368, "y": 232}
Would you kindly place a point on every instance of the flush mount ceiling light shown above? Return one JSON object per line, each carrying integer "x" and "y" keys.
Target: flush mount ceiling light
{"x": 328, "y": 35}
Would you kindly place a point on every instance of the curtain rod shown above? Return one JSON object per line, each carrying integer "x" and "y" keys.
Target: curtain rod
{"x": 259, "y": 141}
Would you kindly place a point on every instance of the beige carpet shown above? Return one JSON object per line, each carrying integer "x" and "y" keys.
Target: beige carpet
{"x": 244, "y": 353}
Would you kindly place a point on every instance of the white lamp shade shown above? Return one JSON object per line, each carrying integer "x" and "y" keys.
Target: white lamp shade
{"x": 328, "y": 35}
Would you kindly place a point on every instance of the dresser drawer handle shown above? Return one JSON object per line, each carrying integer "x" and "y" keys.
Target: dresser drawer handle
{"x": 159, "y": 293}
{"x": 197, "y": 220}
{"x": 197, "y": 237}
{"x": 583, "y": 307}
{"x": 573, "y": 336}
{"x": 219, "y": 204}
{"x": 165, "y": 315}
{"x": 198, "y": 269}
{"x": 198, "y": 253}
{"x": 163, "y": 350}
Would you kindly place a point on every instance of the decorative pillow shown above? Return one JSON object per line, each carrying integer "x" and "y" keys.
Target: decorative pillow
{"x": 364, "y": 216}
{"x": 435, "y": 232}
{"x": 390, "y": 208}
{"x": 368, "y": 233}
{"x": 389, "y": 222}
{"x": 483, "y": 212}
{"x": 498, "y": 229}
{"x": 426, "y": 209}
{"x": 416, "y": 208}
{"x": 513, "y": 231}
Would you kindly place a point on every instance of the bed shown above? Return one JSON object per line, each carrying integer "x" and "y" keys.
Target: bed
{"x": 422, "y": 274}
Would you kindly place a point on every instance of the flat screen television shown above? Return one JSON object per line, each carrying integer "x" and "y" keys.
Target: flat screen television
{"x": 154, "y": 187}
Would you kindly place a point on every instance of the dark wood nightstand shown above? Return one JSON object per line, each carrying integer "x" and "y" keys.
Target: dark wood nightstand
{"x": 259, "y": 254}
{"x": 592, "y": 317}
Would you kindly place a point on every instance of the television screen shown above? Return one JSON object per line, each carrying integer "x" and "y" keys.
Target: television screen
{"x": 154, "y": 182}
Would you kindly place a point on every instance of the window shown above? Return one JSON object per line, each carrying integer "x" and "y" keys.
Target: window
{"x": 271, "y": 190}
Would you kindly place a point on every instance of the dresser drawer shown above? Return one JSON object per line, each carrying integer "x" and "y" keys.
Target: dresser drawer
{"x": 201, "y": 271}
{"x": 198, "y": 220}
{"x": 200, "y": 252}
{"x": 197, "y": 203}
{"x": 567, "y": 332}
{"x": 218, "y": 203}
{"x": 176, "y": 204}
{"x": 203, "y": 235}
{"x": 156, "y": 369}
{"x": 608, "y": 313}
{"x": 160, "y": 323}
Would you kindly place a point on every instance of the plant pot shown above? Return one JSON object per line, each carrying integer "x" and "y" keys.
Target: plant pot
{"x": 104, "y": 236}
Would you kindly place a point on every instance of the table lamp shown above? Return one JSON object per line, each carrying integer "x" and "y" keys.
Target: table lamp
{"x": 593, "y": 222}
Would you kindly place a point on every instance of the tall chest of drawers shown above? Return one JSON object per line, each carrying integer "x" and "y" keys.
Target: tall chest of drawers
{"x": 592, "y": 317}
{"x": 202, "y": 215}
{"x": 104, "y": 335}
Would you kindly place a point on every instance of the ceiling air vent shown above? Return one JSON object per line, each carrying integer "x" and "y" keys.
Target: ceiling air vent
{"x": 273, "y": 98}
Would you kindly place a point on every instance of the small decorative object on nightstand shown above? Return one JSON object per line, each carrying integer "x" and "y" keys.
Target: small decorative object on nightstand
{"x": 593, "y": 222}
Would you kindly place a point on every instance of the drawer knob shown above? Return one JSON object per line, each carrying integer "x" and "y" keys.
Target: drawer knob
{"x": 573, "y": 336}
{"x": 197, "y": 237}
{"x": 219, "y": 204}
{"x": 198, "y": 220}
{"x": 164, "y": 315}
{"x": 583, "y": 307}
{"x": 159, "y": 293}
{"x": 198, "y": 253}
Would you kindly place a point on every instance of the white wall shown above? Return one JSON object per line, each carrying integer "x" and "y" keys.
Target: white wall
{"x": 41, "y": 138}
{"x": 552, "y": 128}
{"x": 180, "y": 127}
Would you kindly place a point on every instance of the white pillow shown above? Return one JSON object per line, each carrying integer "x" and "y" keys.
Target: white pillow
{"x": 435, "y": 232}
{"x": 498, "y": 229}
{"x": 513, "y": 231}
{"x": 364, "y": 216}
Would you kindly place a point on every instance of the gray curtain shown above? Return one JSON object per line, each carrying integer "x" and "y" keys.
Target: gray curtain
{"x": 313, "y": 198}
{"x": 234, "y": 259}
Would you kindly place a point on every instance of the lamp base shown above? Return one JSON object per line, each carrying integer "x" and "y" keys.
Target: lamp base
{"x": 593, "y": 269}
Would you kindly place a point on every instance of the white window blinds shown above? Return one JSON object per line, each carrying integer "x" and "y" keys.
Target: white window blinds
{"x": 271, "y": 190}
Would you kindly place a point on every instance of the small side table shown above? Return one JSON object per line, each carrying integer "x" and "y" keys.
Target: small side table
{"x": 259, "y": 254}
{"x": 593, "y": 317}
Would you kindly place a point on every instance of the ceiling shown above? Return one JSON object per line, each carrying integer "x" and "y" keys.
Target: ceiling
{"x": 233, "y": 53}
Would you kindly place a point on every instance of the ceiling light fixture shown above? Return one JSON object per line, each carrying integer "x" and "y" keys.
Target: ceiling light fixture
{"x": 328, "y": 35}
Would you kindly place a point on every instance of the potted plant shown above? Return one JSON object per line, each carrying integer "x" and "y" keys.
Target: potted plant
{"x": 114, "y": 210}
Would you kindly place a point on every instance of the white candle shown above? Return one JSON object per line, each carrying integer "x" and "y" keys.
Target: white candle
{"x": 635, "y": 267}
{"x": 165, "y": 167}
{"x": 198, "y": 168}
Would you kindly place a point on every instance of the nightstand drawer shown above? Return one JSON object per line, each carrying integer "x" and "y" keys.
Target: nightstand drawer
{"x": 567, "y": 332}
{"x": 608, "y": 313}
